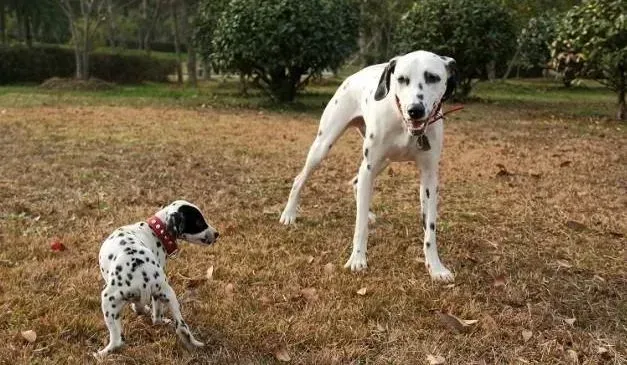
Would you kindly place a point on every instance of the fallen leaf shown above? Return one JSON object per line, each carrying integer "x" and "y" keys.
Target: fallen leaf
{"x": 282, "y": 355}
{"x": 499, "y": 281}
{"x": 390, "y": 172}
{"x": 230, "y": 229}
{"x": 265, "y": 300}
{"x": 502, "y": 170}
{"x": 565, "y": 163}
{"x": 29, "y": 335}
{"x": 616, "y": 234}
{"x": 435, "y": 360}
{"x": 362, "y": 291}
{"x": 526, "y": 335}
{"x": 228, "y": 290}
{"x": 329, "y": 268}
{"x": 455, "y": 323}
{"x": 535, "y": 175}
{"x": 210, "y": 273}
{"x": 563, "y": 263}
{"x": 309, "y": 294}
{"x": 572, "y": 355}
{"x": 574, "y": 225}
{"x": 57, "y": 246}
{"x": 570, "y": 321}
{"x": 310, "y": 259}
{"x": 601, "y": 350}
{"x": 380, "y": 328}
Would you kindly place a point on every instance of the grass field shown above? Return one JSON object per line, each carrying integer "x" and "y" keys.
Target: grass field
{"x": 532, "y": 219}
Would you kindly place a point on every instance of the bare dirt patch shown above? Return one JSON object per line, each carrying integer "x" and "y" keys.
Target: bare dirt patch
{"x": 543, "y": 289}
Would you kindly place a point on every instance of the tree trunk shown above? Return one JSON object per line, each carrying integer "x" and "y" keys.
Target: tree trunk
{"x": 620, "y": 116}
{"x": 85, "y": 49}
{"x": 191, "y": 52}
{"x": 111, "y": 25}
{"x": 28, "y": 31}
{"x": 79, "y": 63}
{"x": 511, "y": 63}
{"x": 3, "y": 21}
{"x": 177, "y": 46}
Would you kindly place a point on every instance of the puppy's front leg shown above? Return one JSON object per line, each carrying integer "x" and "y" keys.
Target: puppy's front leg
{"x": 365, "y": 182}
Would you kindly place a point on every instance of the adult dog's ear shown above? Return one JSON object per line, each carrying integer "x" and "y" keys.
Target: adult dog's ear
{"x": 451, "y": 80}
{"x": 384, "y": 82}
{"x": 175, "y": 224}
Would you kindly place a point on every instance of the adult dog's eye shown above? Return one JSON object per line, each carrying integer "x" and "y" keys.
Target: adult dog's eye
{"x": 431, "y": 78}
{"x": 403, "y": 80}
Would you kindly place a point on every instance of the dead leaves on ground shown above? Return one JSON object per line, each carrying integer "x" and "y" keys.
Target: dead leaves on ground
{"x": 455, "y": 323}
{"x": 30, "y": 336}
{"x": 435, "y": 359}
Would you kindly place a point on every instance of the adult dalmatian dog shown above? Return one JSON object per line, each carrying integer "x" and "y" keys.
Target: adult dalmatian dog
{"x": 397, "y": 108}
{"x": 132, "y": 263}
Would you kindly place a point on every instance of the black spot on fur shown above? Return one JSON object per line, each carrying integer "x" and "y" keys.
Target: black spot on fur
{"x": 130, "y": 277}
{"x": 431, "y": 78}
{"x": 424, "y": 221}
{"x": 432, "y": 226}
{"x": 144, "y": 285}
{"x": 158, "y": 243}
{"x": 128, "y": 283}
{"x": 112, "y": 305}
{"x": 142, "y": 224}
{"x": 335, "y": 101}
{"x": 111, "y": 298}
{"x": 111, "y": 257}
{"x": 319, "y": 133}
{"x": 368, "y": 167}
{"x": 141, "y": 252}
{"x": 121, "y": 234}
{"x": 371, "y": 135}
{"x": 156, "y": 275}
{"x": 118, "y": 268}
{"x": 420, "y": 86}
{"x": 355, "y": 182}
{"x": 366, "y": 153}
{"x": 421, "y": 97}
{"x": 146, "y": 279}
{"x": 107, "y": 314}
{"x": 117, "y": 315}
{"x": 122, "y": 242}
{"x": 427, "y": 191}
{"x": 428, "y": 244}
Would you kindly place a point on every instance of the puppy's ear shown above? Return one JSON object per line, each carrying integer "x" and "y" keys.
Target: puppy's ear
{"x": 451, "y": 80}
{"x": 175, "y": 224}
{"x": 384, "y": 82}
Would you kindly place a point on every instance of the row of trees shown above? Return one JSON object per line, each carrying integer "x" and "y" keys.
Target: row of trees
{"x": 280, "y": 44}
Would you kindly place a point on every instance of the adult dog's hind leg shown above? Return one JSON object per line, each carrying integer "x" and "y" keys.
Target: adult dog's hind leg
{"x": 335, "y": 119}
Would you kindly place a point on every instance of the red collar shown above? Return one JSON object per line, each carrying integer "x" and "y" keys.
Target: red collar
{"x": 169, "y": 242}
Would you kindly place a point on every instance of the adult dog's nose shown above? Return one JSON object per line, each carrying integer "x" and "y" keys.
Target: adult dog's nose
{"x": 416, "y": 111}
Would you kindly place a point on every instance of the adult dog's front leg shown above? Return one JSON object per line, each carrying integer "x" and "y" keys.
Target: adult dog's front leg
{"x": 365, "y": 182}
{"x": 429, "y": 207}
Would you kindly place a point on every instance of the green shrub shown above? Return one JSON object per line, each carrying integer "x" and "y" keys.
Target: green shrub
{"x": 279, "y": 41}
{"x": 474, "y": 33}
{"x": 20, "y": 64}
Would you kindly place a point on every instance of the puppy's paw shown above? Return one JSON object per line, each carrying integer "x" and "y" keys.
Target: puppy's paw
{"x": 357, "y": 261}
{"x": 441, "y": 274}
{"x": 288, "y": 216}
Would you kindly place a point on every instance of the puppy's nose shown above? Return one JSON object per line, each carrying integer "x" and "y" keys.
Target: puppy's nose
{"x": 416, "y": 111}
{"x": 216, "y": 235}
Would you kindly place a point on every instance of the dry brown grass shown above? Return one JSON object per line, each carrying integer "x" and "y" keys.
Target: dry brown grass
{"x": 78, "y": 172}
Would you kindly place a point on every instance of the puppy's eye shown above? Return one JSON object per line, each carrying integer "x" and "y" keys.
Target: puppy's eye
{"x": 431, "y": 78}
{"x": 403, "y": 80}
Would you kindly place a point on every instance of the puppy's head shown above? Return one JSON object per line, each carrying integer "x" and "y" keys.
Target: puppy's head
{"x": 418, "y": 82}
{"x": 185, "y": 221}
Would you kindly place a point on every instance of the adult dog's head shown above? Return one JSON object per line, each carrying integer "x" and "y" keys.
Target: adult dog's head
{"x": 418, "y": 82}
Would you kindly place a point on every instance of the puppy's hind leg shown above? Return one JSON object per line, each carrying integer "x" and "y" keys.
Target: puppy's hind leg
{"x": 336, "y": 117}
{"x": 167, "y": 295}
{"x": 112, "y": 304}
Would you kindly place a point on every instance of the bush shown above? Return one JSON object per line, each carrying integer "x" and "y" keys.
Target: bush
{"x": 594, "y": 35}
{"x": 535, "y": 40}
{"x": 19, "y": 64}
{"x": 279, "y": 41}
{"x": 475, "y": 33}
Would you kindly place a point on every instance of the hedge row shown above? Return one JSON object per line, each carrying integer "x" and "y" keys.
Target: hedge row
{"x": 20, "y": 64}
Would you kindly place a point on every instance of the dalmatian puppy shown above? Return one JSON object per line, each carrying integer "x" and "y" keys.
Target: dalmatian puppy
{"x": 397, "y": 108}
{"x": 132, "y": 263}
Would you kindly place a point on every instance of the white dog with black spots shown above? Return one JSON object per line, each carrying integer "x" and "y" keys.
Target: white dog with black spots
{"x": 132, "y": 263}
{"x": 397, "y": 108}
